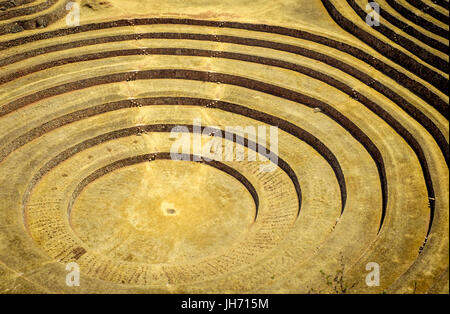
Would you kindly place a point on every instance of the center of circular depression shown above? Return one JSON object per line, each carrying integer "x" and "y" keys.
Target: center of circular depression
{"x": 162, "y": 212}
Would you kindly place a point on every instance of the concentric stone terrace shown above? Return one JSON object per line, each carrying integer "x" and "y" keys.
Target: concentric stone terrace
{"x": 361, "y": 174}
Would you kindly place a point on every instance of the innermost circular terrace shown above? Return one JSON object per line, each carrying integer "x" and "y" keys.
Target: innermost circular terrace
{"x": 162, "y": 212}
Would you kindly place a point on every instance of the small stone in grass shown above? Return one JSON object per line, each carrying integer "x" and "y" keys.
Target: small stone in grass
{"x": 40, "y": 22}
{"x": 16, "y": 28}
